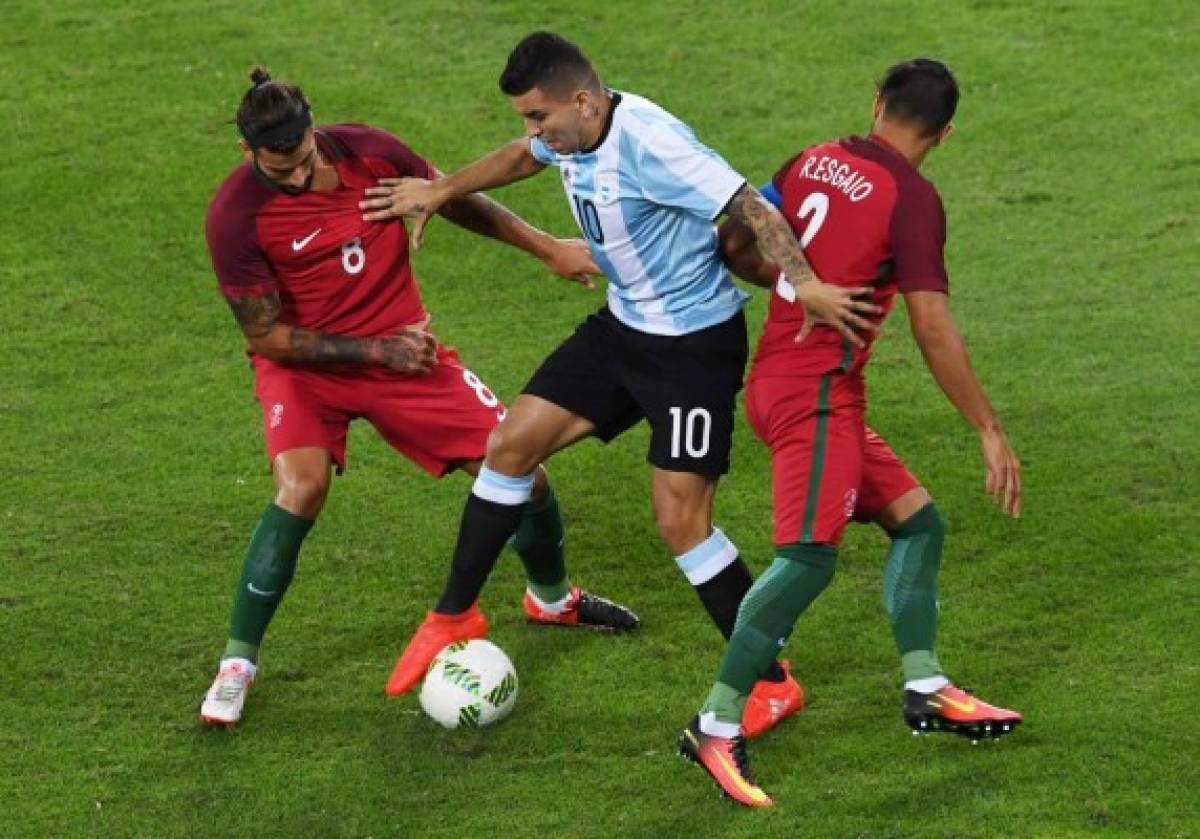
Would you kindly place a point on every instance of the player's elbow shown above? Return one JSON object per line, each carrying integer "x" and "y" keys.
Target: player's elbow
{"x": 272, "y": 345}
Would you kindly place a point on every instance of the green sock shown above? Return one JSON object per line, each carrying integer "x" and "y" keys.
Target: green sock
{"x": 539, "y": 542}
{"x": 910, "y": 590}
{"x": 765, "y": 620}
{"x": 266, "y": 573}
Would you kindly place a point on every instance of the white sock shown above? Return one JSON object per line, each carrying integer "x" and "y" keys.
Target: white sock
{"x": 710, "y": 725}
{"x": 931, "y": 684}
{"x": 555, "y": 608}
{"x": 245, "y": 663}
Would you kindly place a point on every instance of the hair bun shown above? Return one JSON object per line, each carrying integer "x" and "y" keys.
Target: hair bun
{"x": 259, "y": 76}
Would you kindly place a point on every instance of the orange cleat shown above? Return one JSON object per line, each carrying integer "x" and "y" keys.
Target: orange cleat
{"x": 434, "y": 633}
{"x": 771, "y": 702}
{"x": 585, "y": 609}
{"x": 954, "y": 710}
{"x": 724, "y": 758}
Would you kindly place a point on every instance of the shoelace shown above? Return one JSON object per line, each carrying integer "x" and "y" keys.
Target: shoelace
{"x": 228, "y": 687}
{"x": 738, "y": 749}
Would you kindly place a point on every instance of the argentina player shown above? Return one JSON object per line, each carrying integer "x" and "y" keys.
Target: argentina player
{"x": 669, "y": 346}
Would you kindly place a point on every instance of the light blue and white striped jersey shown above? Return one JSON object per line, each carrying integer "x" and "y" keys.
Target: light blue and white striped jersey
{"x": 645, "y": 198}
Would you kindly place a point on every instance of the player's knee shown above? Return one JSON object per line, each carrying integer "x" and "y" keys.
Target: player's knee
{"x": 681, "y": 529}
{"x": 302, "y": 493}
{"x": 512, "y": 450}
{"x": 927, "y": 521}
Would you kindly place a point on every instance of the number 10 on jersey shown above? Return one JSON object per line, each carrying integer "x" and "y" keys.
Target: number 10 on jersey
{"x": 589, "y": 219}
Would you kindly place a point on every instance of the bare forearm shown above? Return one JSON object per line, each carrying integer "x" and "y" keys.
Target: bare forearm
{"x": 509, "y": 163}
{"x": 486, "y": 217}
{"x": 946, "y": 356}
{"x": 775, "y": 239}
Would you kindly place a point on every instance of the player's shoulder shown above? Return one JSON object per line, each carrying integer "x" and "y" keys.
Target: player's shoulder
{"x": 644, "y": 119}
{"x": 361, "y": 140}
{"x": 237, "y": 200}
{"x": 910, "y": 183}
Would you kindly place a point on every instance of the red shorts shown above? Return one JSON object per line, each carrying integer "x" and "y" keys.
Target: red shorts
{"x": 827, "y": 465}
{"x": 434, "y": 420}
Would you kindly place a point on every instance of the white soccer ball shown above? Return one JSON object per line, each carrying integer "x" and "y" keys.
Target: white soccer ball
{"x": 469, "y": 684}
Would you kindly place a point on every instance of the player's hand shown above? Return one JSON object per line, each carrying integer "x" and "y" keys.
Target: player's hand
{"x": 836, "y": 307}
{"x": 412, "y": 350}
{"x": 414, "y": 199}
{"x": 572, "y": 260}
{"x": 1003, "y": 471}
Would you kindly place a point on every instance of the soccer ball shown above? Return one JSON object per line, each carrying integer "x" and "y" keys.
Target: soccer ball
{"x": 469, "y": 684}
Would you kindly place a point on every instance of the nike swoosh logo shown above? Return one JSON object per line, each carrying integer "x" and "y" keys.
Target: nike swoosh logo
{"x": 965, "y": 707}
{"x": 259, "y": 591}
{"x": 299, "y": 244}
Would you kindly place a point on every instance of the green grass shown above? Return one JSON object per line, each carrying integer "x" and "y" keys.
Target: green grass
{"x": 133, "y": 468}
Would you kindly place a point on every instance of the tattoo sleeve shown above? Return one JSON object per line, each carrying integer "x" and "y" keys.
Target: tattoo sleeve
{"x": 480, "y": 214}
{"x": 259, "y": 319}
{"x": 257, "y": 316}
{"x": 775, "y": 238}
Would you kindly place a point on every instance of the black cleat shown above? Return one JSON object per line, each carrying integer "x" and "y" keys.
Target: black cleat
{"x": 585, "y": 609}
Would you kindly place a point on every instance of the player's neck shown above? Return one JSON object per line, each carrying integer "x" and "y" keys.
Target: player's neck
{"x": 905, "y": 142}
{"x": 598, "y": 123}
{"x": 325, "y": 176}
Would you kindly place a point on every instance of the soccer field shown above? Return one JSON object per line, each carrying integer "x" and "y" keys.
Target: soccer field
{"x": 134, "y": 469}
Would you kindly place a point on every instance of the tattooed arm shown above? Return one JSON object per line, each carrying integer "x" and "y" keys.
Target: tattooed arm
{"x": 410, "y": 351}
{"x": 831, "y": 305}
{"x": 742, "y": 256}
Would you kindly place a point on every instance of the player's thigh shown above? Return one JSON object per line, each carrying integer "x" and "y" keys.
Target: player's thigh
{"x": 581, "y": 377}
{"x": 687, "y": 387}
{"x": 815, "y": 432}
{"x": 532, "y": 431}
{"x": 302, "y": 409}
{"x": 889, "y": 493}
{"x": 439, "y": 420}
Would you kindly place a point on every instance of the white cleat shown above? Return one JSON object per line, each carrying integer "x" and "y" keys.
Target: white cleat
{"x": 223, "y": 703}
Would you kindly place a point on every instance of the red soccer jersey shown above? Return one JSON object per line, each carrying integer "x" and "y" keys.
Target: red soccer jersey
{"x": 333, "y": 271}
{"x": 865, "y": 217}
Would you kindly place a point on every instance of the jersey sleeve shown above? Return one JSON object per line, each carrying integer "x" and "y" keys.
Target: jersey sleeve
{"x": 237, "y": 256}
{"x": 677, "y": 170}
{"x": 918, "y": 233}
{"x": 541, "y": 152}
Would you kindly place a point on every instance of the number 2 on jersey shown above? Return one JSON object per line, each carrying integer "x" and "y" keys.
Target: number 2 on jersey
{"x": 814, "y": 208}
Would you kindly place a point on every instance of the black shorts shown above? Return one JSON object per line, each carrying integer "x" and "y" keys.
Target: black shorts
{"x": 685, "y": 385}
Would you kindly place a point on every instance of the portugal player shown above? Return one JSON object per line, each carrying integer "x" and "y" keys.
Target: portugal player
{"x": 336, "y": 331}
{"x": 864, "y": 216}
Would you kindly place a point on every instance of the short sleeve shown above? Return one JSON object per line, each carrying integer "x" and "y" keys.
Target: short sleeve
{"x": 677, "y": 170}
{"x": 918, "y": 233}
{"x": 541, "y": 152}
{"x": 237, "y": 256}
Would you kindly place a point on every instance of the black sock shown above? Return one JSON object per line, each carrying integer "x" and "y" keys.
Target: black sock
{"x": 485, "y": 528}
{"x": 722, "y": 595}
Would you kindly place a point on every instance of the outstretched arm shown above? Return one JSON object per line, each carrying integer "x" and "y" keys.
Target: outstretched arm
{"x": 418, "y": 199}
{"x": 831, "y": 305}
{"x": 946, "y": 356}
{"x": 569, "y": 258}
{"x": 411, "y": 351}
